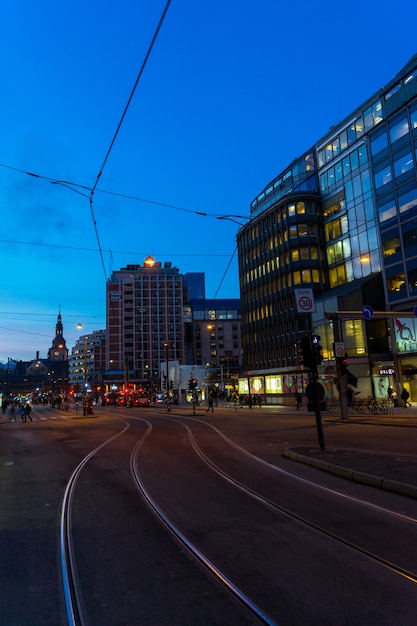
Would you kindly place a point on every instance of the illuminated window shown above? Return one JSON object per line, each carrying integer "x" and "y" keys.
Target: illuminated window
{"x": 337, "y": 275}
{"x": 396, "y": 282}
{"x": 390, "y": 247}
{"x": 354, "y": 336}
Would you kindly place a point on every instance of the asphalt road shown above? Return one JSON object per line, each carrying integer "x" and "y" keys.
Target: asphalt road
{"x": 132, "y": 572}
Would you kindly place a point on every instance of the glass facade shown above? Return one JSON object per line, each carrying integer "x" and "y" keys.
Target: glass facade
{"x": 341, "y": 214}
{"x": 394, "y": 149}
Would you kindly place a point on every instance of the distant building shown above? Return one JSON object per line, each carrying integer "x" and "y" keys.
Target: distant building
{"x": 144, "y": 312}
{"x": 40, "y": 376}
{"x": 58, "y": 351}
{"x": 213, "y": 335}
{"x": 87, "y": 362}
{"x": 58, "y": 358}
{"x": 194, "y": 286}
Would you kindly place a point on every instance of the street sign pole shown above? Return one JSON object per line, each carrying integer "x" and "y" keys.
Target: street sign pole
{"x": 314, "y": 376}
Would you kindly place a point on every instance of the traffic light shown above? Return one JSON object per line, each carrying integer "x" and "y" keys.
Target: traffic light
{"x": 164, "y": 384}
{"x": 316, "y": 349}
{"x": 343, "y": 364}
{"x": 305, "y": 353}
{"x": 171, "y": 384}
{"x": 192, "y": 384}
{"x": 343, "y": 367}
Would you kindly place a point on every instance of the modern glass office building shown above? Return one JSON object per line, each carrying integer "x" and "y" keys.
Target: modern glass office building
{"x": 339, "y": 221}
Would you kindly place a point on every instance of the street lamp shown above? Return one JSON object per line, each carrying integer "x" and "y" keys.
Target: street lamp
{"x": 84, "y": 394}
{"x": 166, "y": 346}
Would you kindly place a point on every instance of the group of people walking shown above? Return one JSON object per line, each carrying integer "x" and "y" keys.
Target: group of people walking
{"x": 24, "y": 410}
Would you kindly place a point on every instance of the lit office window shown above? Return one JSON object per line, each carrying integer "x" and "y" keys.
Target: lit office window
{"x": 396, "y": 282}
{"x": 391, "y": 247}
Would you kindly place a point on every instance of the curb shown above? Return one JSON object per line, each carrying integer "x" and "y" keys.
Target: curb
{"x": 364, "y": 478}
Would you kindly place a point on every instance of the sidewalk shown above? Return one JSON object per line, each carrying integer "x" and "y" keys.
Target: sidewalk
{"x": 391, "y": 472}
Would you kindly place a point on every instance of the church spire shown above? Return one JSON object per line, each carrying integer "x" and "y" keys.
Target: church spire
{"x": 58, "y": 351}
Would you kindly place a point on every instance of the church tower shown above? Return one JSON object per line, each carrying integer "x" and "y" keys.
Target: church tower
{"x": 58, "y": 351}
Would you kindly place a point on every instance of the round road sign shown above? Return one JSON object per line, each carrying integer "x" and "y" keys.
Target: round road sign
{"x": 315, "y": 390}
{"x": 305, "y": 303}
{"x": 368, "y": 312}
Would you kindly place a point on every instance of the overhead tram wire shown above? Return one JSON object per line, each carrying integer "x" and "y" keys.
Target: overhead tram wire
{"x": 158, "y": 28}
{"x": 224, "y": 275}
{"x": 77, "y": 187}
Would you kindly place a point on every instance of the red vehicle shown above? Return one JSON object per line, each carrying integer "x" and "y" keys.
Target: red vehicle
{"x": 129, "y": 397}
{"x": 141, "y": 397}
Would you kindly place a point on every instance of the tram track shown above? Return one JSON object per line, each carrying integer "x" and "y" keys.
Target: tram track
{"x": 76, "y": 612}
{"x": 378, "y": 559}
{"x": 74, "y": 602}
{"x": 200, "y": 558}
{"x": 411, "y": 576}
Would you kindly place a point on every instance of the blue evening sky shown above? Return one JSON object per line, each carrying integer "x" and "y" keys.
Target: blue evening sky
{"x": 232, "y": 92}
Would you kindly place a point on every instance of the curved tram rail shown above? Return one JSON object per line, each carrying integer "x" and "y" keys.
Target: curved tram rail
{"x": 411, "y": 576}
{"x": 73, "y": 596}
{"x": 72, "y": 592}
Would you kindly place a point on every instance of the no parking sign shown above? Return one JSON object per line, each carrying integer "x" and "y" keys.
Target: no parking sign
{"x": 305, "y": 300}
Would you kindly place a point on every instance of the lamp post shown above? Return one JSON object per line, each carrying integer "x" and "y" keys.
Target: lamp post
{"x": 84, "y": 393}
{"x": 166, "y": 346}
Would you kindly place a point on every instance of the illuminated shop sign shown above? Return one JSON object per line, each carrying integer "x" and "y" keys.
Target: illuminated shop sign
{"x": 386, "y": 371}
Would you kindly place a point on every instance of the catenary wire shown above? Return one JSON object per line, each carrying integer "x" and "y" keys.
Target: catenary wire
{"x": 118, "y": 129}
{"x": 125, "y": 252}
{"x": 72, "y": 186}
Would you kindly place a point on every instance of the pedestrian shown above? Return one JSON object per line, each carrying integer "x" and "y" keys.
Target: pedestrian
{"x": 404, "y": 397}
{"x": 168, "y": 401}
{"x": 210, "y": 402}
{"x": 28, "y": 410}
{"x": 22, "y": 413}
{"x": 349, "y": 394}
{"x": 298, "y": 400}
{"x": 12, "y": 413}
